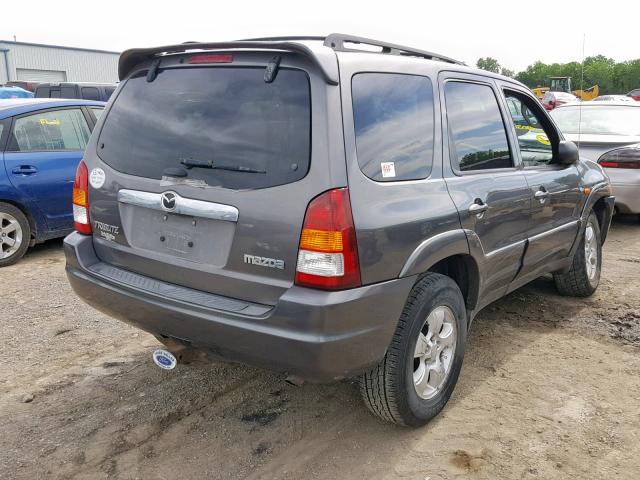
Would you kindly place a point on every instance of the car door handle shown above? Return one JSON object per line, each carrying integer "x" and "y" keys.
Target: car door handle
{"x": 541, "y": 194}
{"x": 24, "y": 170}
{"x": 478, "y": 207}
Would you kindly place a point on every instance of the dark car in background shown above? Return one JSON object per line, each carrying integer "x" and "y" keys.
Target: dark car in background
{"x": 635, "y": 94}
{"x": 81, "y": 90}
{"x": 41, "y": 143}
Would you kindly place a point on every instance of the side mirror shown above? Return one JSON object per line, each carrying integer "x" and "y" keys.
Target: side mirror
{"x": 567, "y": 153}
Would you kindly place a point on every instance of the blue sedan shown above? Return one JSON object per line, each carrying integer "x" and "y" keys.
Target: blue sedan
{"x": 41, "y": 144}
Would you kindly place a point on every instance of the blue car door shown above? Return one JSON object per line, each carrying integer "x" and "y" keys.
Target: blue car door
{"x": 43, "y": 152}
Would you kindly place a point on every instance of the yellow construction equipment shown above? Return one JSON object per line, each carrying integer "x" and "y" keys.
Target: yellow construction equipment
{"x": 563, "y": 84}
{"x": 540, "y": 91}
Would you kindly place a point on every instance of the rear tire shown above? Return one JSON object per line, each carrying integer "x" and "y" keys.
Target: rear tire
{"x": 416, "y": 377}
{"x": 15, "y": 234}
{"x": 583, "y": 277}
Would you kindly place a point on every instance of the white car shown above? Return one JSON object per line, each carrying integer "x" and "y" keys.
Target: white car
{"x": 609, "y": 134}
{"x": 552, "y": 100}
{"x": 613, "y": 98}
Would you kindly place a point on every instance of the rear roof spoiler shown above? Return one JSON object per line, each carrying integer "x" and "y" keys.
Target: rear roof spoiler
{"x": 326, "y": 62}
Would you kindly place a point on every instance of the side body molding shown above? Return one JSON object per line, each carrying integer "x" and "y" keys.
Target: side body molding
{"x": 434, "y": 249}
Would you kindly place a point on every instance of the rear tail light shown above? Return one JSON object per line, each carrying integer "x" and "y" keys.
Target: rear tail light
{"x": 210, "y": 58}
{"x": 81, "y": 200}
{"x": 328, "y": 253}
{"x": 626, "y": 157}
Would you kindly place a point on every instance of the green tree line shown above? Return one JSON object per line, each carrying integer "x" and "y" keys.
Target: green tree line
{"x": 599, "y": 70}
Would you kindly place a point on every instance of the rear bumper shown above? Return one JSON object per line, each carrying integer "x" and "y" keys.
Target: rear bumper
{"x": 627, "y": 197}
{"x": 319, "y": 336}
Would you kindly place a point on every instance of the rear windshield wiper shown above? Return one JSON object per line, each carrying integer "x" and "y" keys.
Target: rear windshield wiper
{"x": 188, "y": 163}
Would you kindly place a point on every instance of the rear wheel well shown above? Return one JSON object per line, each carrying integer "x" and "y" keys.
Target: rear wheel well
{"x": 30, "y": 219}
{"x": 463, "y": 270}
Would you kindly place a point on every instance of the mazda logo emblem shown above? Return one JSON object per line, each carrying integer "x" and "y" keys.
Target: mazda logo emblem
{"x": 168, "y": 200}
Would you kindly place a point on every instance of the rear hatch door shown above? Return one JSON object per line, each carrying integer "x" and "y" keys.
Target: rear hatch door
{"x": 208, "y": 170}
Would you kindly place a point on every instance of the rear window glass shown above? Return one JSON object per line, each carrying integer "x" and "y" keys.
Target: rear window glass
{"x": 256, "y": 134}
{"x": 393, "y": 121}
{"x": 598, "y": 120}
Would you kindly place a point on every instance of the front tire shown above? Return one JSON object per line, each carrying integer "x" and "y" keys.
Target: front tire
{"x": 583, "y": 277}
{"x": 416, "y": 377}
{"x": 15, "y": 234}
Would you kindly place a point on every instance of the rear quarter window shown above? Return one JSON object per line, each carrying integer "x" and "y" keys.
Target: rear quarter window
{"x": 393, "y": 119}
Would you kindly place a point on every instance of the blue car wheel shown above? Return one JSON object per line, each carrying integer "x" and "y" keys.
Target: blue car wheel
{"x": 15, "y": 234}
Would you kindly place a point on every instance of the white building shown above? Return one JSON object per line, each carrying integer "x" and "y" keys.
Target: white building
{"x": 52, "y": 63}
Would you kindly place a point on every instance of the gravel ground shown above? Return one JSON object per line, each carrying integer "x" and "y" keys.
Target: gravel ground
{"x": 550, "y": 389}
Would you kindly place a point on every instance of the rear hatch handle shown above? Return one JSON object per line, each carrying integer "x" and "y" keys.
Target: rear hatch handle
{"x": 173, "y": 203}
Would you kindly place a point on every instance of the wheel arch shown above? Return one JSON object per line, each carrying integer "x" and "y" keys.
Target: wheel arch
{"x": 603, "y": 215}
{"x": 462, "y": 269}
{"x": 448, "y": 254}
{"x": 33, "y": 225}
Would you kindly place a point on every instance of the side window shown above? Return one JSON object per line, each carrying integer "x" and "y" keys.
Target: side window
{"x": 90, "y": 93}
{"x": 393, "y": 119}
{"x": 108, "y": 91}
{"x": 477, "y": 131}
{"x": 534, "y": 142}
{"x": 97, "y": 112}
{"x": 67, "y": 92}
{"x": 55, "y": 93}
{"x": 50, "y": 131}
{"x": 42, "y": 92}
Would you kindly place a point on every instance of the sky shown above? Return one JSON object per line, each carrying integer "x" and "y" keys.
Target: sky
{"x": 516, "y": 33}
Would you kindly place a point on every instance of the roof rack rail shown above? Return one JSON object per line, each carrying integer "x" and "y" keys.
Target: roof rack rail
{"x": 337, "y": 42}
{"x": 323, "y": 59}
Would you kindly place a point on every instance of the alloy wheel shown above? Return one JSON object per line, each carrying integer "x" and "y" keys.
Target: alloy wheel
{"x": 434, "y": 352}
{"x": 10, "y": 235}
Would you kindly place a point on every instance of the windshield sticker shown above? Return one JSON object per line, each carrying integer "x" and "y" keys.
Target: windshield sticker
{"x": 388, "y": 169}
{"x": 97, "y": 178}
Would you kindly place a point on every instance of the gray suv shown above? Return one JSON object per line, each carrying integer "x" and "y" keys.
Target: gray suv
{"x": 328, "y": 207}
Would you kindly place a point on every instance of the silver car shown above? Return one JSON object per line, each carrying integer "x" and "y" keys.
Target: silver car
{"x": 613, "y": 98}
{"x": 608, "y": 133}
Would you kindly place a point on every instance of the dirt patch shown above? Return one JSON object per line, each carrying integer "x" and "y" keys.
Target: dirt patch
{"x": 550, "y": 389}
